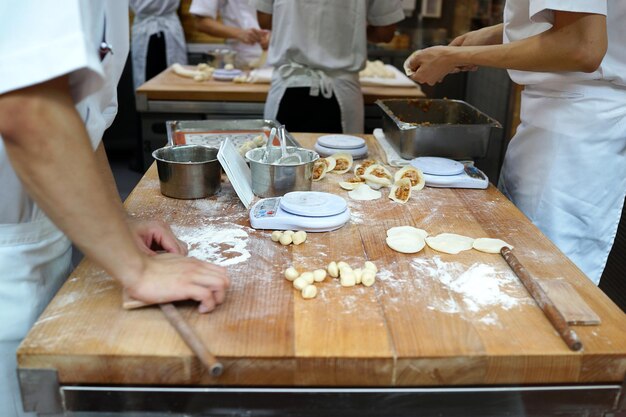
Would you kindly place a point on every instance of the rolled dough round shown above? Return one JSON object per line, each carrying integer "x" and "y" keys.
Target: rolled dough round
{"x": 450, "y": 243}
{"x": 489, "y": 245}
{"x": 405, "y": 243}
{"x": 364, "y": 192}
{"x": 407, "y": 230}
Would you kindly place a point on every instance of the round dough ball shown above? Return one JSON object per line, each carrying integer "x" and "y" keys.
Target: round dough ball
{"x": 370, "y": 265}
{"x": 332, "y": 269}
{"x": 488, "y": 245}
{"x": 289, "y": 232}
{"x": 450, "y": 243}
{"x": 308, "y": 277}
{"x": 345, "y": 270}
{"x": 299, "y": 283}
{"x": 348, "y": 279}
{"x": 291, "y": 273}
{"x": 285, "y": 239}
{"x": 310, "y": 291}
{"x": 358, "y": 273}
{"x": 319, "y": 275}
{"x": 276, "y": 234}
{"x": 229, "y": 67}
{"x": 368, "y": 278}
{"x": 299, "y": 237}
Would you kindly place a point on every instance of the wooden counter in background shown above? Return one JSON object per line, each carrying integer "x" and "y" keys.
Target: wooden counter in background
{"x": 430, "y": 320}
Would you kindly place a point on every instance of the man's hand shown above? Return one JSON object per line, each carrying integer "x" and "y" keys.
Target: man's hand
{"x": 170, "y": 277}
{"x": 431, "y": 65}
{"x": 251, "y": 36}
{"x": 152, "y": 236}
{"x": 265, "y": 39}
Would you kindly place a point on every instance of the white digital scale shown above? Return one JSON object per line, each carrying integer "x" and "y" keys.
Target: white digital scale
{"x": 310, "y": 211}
{"x": 328, "y": 145}
{"x": 448, "y": 173}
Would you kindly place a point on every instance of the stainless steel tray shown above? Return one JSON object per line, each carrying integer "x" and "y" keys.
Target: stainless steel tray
{"x": 436, "y": 127}
{"x": 213, "y": 132}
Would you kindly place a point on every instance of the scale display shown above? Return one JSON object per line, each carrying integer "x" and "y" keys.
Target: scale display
{"x": 310, "y": 211}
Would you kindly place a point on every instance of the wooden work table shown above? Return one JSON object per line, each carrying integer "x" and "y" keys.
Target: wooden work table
{"x": 430, "y": 320}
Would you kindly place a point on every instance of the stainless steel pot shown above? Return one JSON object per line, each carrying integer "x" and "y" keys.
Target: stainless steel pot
{"x": 188, "y": 171}
{"x": 273, "y": 180}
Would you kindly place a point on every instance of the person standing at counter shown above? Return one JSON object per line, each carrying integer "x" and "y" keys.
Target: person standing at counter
{"x": 565, "y": 168}
{"x": 239, "y": 26}
{"x": 53, "y": 113}
{"x": 317, "y": 50}
{"x": 158, "y": 40}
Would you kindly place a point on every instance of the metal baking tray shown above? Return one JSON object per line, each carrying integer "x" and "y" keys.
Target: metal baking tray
{"x": 436, "y": 127}
{"x": 213, "y": 132}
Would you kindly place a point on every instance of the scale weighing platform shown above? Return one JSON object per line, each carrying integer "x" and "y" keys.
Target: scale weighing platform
{"x": 448, "y": 173}
{"x": 310, "y": 211}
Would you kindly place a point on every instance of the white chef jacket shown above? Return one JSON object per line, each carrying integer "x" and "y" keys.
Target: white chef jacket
{"x": 322, "y": 44}
{"x": 39, "y": 41}
{"x": 151, "y": 17}
{"x": 565, "y": 168}
{"x": 236, "y": 13}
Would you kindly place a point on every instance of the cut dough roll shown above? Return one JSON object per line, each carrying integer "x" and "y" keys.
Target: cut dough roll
{"x": 450, "y": 243}
{"x": 488, "y": 245}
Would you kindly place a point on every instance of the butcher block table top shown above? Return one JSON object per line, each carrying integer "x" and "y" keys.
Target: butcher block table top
{"x": 431, "y": 319}
{"x": 169, "y": 86}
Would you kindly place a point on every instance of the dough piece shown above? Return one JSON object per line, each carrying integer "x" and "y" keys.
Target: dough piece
{"x": 359, "y": 169}
{"x": 407, "y": 69}
{"x": 299, "y": 283}
{"x": 308, "y": 292}
{"x": 414, "y": 175}
{"x": 351, "y": 184}
{"x": 406, "y": 243}
{"x": 342, "y": 264}
{"x": 289, "y": 232}
{"x": 368, "y": 278}
{"x": 319, "y": 275}
{"x": 276, "y": 234}
{"x": 407, "y": 230}
{"x": 330, "y": 163}
{"x": 401, "y": 191}
{"x": 364, "y": 193}
{"x": 332, "y": 269}
{"x": 308, "y": 277}
{"x": 343, "y": 163}
{"x": 291, "y": 273}
{"x": 450, "y": 243}
{"x": 488, "y": 245}
{"x": 229, "y": 67}
{"x": 347, "y": 279}
{"x": 299, "y": 237}
{"x": 370, "y": 265}
{"x": 285, "y": 239}
{"x": 377, "y": 176}
{"x": 358, "y": 274}
{"x": 319, "y": 170}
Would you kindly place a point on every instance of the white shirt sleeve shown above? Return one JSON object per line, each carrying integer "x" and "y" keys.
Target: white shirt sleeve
{"x": 265, "y": 6}
{"x": 542, "y": 11}
{"x": 43, "y": 40}
{"x": 384, "y": 12}
{"x": 207, "y": 8}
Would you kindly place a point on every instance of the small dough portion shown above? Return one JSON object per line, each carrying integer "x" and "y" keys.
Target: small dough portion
{"x": 364, "y": 193}
{"x": 407, "y": 230}
{"x": 308, "y": 292}
{"x": 489, "y": 245}
{"x": 450, "y": 243}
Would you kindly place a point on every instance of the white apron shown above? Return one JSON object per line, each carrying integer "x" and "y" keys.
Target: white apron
{"x": 565, "y": 168}
{"x": 146, "y": 26}
{"x": 344, "y": 85}
{"x": 35, "y": 259}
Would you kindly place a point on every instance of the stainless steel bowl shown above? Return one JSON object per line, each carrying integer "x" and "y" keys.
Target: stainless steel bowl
{"x": 274, "y": 180}
{"x": 188, "y": 171}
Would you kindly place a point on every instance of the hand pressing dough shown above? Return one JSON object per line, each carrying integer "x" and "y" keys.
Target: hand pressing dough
{"x": 450, "y": 243}
{"x": 407, "y": 230}
{"x": 364, "y": 193}
{"x": 488, "y": 245}
{"x": 406, "y": 243}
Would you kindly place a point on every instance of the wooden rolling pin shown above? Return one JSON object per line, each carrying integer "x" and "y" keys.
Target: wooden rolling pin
{"x": 568, "y": 335}
{"x": 191, "y": 339}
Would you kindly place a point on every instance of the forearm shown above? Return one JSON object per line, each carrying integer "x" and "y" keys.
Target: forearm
{"x": 377, "y": 34}
{"x": 50, "y": 150}
{"x": 577, "y": 45}
{"x": 216, "y": 28}
{"x": 265, "y": 20}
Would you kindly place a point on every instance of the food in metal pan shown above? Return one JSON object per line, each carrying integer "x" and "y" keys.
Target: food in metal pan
{"x": 450, "y": 243}
{"x": 401, "y": 191}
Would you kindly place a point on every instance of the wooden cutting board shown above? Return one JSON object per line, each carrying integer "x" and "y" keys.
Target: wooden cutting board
{"x": 569, "y": 303}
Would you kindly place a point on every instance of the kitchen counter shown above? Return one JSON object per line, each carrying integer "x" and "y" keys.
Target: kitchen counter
{"x": 457, "y": 333}
{"x": 171, "y": 97}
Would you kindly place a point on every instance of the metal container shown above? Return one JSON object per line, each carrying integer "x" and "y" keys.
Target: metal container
{"x": 274, "y": 180}
{"x": 188, "y": 171}
{"x": 436, "y": 127}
